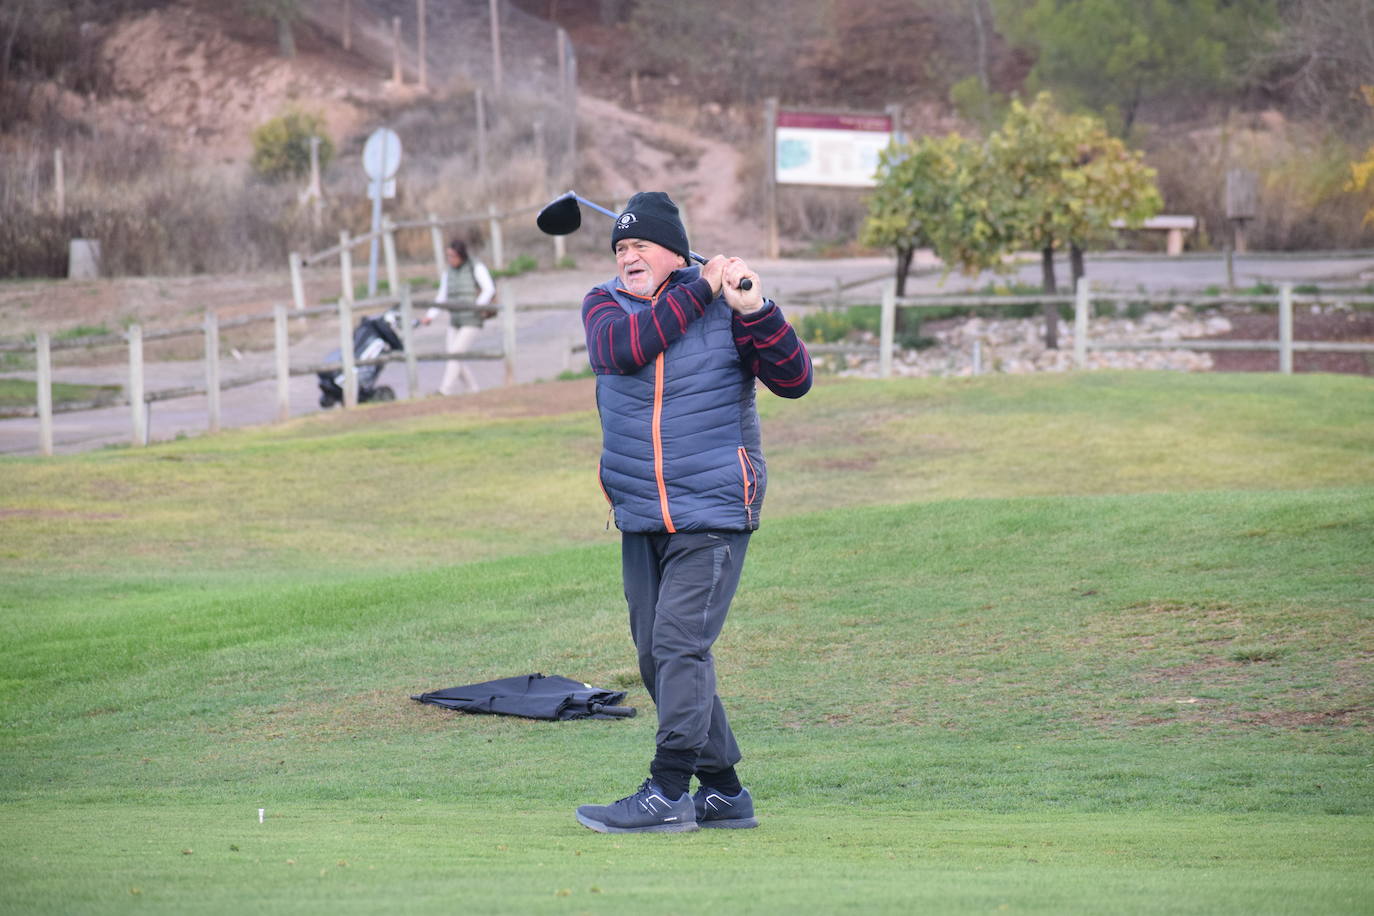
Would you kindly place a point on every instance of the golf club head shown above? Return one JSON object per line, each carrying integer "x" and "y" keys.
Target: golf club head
{"x": 561, "y": 216}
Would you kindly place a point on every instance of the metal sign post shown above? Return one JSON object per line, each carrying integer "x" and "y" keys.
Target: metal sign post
{"x": 381, "y": 159}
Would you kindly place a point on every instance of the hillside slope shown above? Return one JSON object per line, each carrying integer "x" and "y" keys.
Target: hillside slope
{"x": 629, "y": 151}
{"x": 201, "y": 81}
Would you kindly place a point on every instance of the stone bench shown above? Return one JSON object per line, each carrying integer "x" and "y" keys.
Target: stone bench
{"x": 1176, "y": 226}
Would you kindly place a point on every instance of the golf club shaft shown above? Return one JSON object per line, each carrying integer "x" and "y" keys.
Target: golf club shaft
{"x": 595, "y": 206}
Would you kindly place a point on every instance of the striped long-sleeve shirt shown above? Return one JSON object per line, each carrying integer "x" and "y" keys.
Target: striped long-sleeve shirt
{"x": 620, "y": 343}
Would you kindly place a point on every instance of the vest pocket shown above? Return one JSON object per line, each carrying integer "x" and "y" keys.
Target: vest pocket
{"x": 751, "y": 483}
{"x": 610, "y": 506}
{"x": 601, "y": 482}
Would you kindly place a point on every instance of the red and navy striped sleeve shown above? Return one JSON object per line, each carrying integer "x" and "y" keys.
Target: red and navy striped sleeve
{"x": 619, "y": 343}
{"x": 770, "y": 348}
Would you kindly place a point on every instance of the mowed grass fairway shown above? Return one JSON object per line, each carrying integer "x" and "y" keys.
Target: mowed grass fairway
{"x": 1093, "y": 643}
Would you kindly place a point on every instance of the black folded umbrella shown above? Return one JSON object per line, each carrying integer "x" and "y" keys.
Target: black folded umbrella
{"x": 533, "y": 696}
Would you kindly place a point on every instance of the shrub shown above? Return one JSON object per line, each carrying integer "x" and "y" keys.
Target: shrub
{"x": 521, "y": 264}
{"x": 281, "y": 147}
{"x": 833, "y": 326}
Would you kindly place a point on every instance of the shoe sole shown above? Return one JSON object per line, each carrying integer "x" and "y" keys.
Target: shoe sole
{"x": 599, "y": 827}
{"x": 729, "y": 823}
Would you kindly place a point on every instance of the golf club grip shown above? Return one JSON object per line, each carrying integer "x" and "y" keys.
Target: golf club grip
{"x": 746, "y": 283}
{"x": 620, "y": 712}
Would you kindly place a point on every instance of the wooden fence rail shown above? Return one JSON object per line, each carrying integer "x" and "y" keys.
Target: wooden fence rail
{"x": 1082, "y": 300}
{"x": 296, "y": 261}
{"x": 138, "y": 399}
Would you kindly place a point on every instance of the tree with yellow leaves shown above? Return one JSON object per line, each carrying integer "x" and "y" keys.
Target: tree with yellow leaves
{"x": 1362, "y": 172}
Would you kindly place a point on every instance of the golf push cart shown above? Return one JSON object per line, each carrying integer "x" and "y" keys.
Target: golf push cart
{"x": 375, "y": 336}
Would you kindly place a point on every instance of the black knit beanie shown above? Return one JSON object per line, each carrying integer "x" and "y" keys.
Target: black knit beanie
{"x": 652, "y": 215}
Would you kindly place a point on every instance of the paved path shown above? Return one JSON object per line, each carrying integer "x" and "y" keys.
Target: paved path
{"x": 546, "y": 338}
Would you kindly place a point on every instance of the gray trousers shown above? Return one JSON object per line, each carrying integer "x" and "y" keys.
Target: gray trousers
{"x": 679, "y": 588}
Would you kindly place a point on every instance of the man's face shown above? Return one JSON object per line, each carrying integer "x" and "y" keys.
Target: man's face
{"x": 644, "y": 265}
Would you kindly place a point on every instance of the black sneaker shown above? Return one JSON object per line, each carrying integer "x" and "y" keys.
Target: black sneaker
{"x": 647, "y": 811}
{"x": 716, "y": 809}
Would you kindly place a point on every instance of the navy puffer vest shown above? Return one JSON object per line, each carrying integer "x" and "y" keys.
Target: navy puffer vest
{"x": 680, "y": 437}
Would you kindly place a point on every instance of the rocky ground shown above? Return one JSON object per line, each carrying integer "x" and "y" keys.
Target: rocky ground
{"x": 1313, "y": 323}
{"x": 980, "y": 345}
{"x": 1016, "y": 345}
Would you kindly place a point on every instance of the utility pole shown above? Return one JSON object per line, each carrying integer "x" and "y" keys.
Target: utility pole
{"x": 496, "y": 46}
{"x": 59, "y": 183}
{"x": 770, "y": 181}
{"x": 420, "y": 25}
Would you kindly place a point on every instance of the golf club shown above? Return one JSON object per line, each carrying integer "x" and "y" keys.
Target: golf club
{"x": 563, "y": 216}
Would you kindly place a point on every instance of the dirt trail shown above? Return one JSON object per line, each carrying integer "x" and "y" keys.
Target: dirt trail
{"x": 631, "y": 152}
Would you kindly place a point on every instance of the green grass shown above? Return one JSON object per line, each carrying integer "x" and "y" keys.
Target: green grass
{"x": 22, "y": 393}
{"x": 1088, "y": 643}
{"x": 520, "y": 264}
{"x": 83, "y": 330}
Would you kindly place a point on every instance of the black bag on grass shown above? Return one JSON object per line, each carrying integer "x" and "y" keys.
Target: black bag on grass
{"x": 533, "y": 696}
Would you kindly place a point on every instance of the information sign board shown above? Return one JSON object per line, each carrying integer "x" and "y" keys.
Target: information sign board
{"x": 819, "y": 148}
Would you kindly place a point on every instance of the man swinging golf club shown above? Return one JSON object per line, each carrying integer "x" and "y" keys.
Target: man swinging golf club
{"x": 676, "y": 350}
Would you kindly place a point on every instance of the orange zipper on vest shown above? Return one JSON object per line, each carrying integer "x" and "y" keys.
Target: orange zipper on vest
{"x": 746, "y": 469}
{"x": 658, "y": 422}
{"x": 610, "y": 506}
{"x": 658, "y": 445}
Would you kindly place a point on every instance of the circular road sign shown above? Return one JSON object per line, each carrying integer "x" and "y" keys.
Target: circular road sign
{"x": 382, "y": 154}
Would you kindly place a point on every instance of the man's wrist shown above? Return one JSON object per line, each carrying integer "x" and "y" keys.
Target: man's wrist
{"x": 758, "y": 312}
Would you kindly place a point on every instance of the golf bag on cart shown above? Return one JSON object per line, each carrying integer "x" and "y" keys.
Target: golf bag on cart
{"x": 374, "y": 336}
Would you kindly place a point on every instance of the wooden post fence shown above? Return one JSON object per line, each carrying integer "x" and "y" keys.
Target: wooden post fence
{"x": 498, "y": 258}
{"x": 139, "y": 399}
{"x": 212, "y": 370}
{"x": 1082, "y": 305}
{"x": 138, "y": 410}
{"x": 350, "y": 371}
{"x": 436, "y": 238}
{"x": 297, "y": 281}
{"x": 408, "y": 342}
{"x": 393, "y": 275}
{"x": 887, "y": 329}
{"x": 282, "y": 357}
{"x": 507, "y": 329}
{"x": 45, "y": 393}
{"x": 1286, "y": 329}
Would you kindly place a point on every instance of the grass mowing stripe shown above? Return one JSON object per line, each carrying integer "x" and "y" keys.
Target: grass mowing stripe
{"x": 1062, "y": 666}
{"x": 928, "y": 559}
{"x": 422, "y": 857}
{"x": 409, "y": 492}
